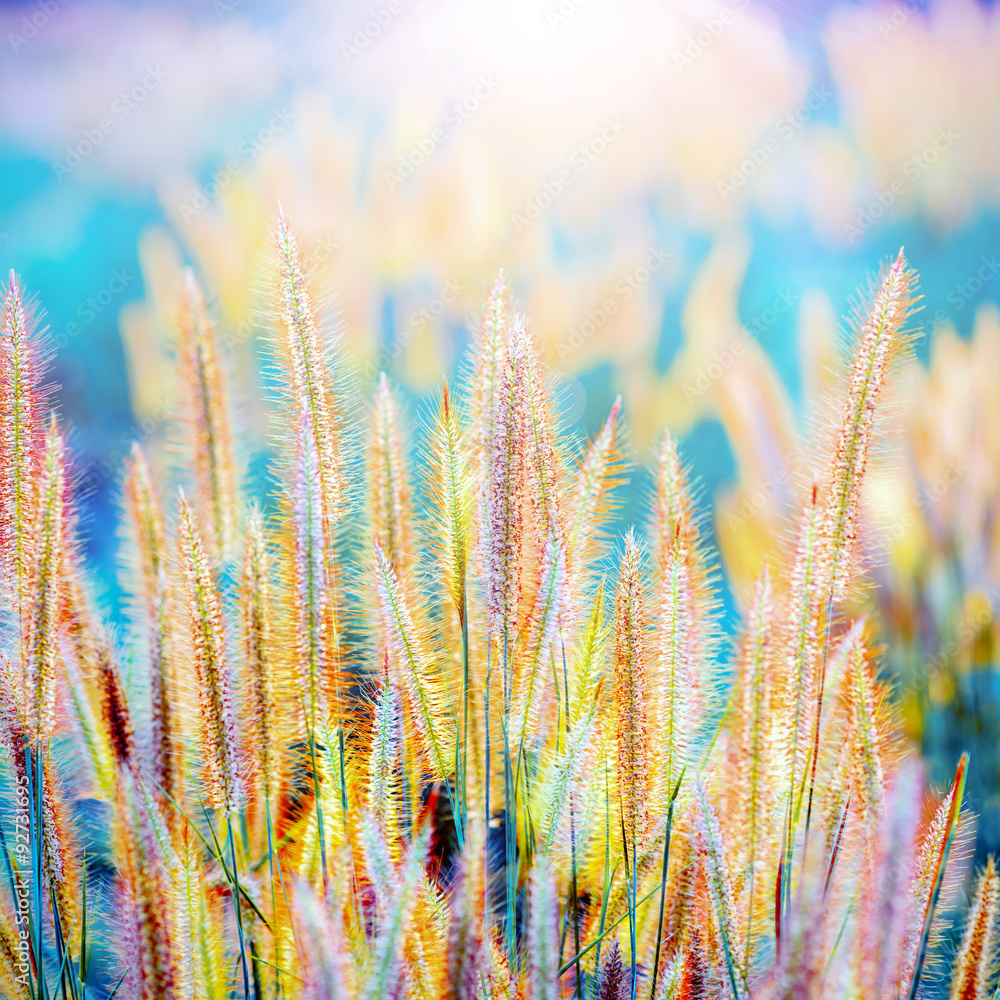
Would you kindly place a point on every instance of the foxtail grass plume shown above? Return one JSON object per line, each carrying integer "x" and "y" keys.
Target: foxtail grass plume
{"x": 975, "y": 965}
{"x": 219, "y": 745}
{"x": 631, "y": 695}
{"x": 22, "y": 402}
{"x": 390, "y": 493}
{"x": 449, "y": 514}
{"x": 882, "y": 342}
{"x": 207, "y": 438}
{"x": 148, "y": 542}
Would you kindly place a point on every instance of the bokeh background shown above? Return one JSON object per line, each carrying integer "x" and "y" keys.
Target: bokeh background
{"x": 688, "y": 198}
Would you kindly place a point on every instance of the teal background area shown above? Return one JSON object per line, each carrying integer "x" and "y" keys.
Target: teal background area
{"x": 66, "y": 237}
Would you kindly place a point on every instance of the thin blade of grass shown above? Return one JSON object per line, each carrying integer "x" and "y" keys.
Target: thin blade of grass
{"x": 663, "y": 879}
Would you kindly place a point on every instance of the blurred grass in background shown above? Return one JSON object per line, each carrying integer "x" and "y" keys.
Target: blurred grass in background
{"x": 681, "y": 193}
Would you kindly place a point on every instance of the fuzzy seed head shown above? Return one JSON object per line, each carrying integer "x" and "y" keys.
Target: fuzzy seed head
{"x": 204, "y": 418}
{"x": 22, "y": 432}
{"x": 972, "y": 978}
{"x": 503, "y": 501}
{"x": 220, "y": 753}
{"x": 387, "y": 473}
{"x": 255, "y": 597}
{"x": 47, "y": 582}
{"x": 880, "y": 346}
{"x": 631, "y": 693}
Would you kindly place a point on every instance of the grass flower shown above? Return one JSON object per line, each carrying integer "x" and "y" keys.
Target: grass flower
{"x": 219, "y": 745}
{"x": 204, "y": 418}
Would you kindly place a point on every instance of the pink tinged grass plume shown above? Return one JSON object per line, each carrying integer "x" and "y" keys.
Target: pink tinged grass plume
{"x": 881, "y": 345}
{"x": 22, "y": 433}
{"x": 220, "y": 754}
{"x": 449, "y": 501}
{"x": 81, "y": 654}
{"x": 153, "y": 959}
{"x": 800, "y": 670}
{"x": 631, "y": 695}
{"x": 395, "y": 889}
{"x": 868, "y": 724}
{"x": 929, "y": 870}
{"x": 676, "y": 690}
{"x": 47, "y": 584}
{"x": 543, "y": 934}
{"x": 311, "y": 579}
{"x": 153, "y": 955}
{"x": 150, "y": 546}
{"x": 685, "y": 608}
{"x": 973, "y": 976}
{"x": 384, "y": 765}
{"x": 411, "y": 668}
{"x": 673, "y": 514}
{"x": 714, "y": 859}
{"x": 488, "y": 361}
{"x": 884, "y": 900}
{"x": 543, "y": 466}
{"x": 675, "y": 524}
{"x": 306, "y": 365}
{"x": 318, "y": 497}
{"x": 256, "y": 611}
{"x": 754, "y": 764}
{"x": 547, "y": 627}
{"x": 502, "y": 500}
{"x": 326, "y": 972}
{"x": 387, "y": 473}
{"x": 597, "y": 474}
{"x": 208, "y": 438}
{"x": 468, "y": 954}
